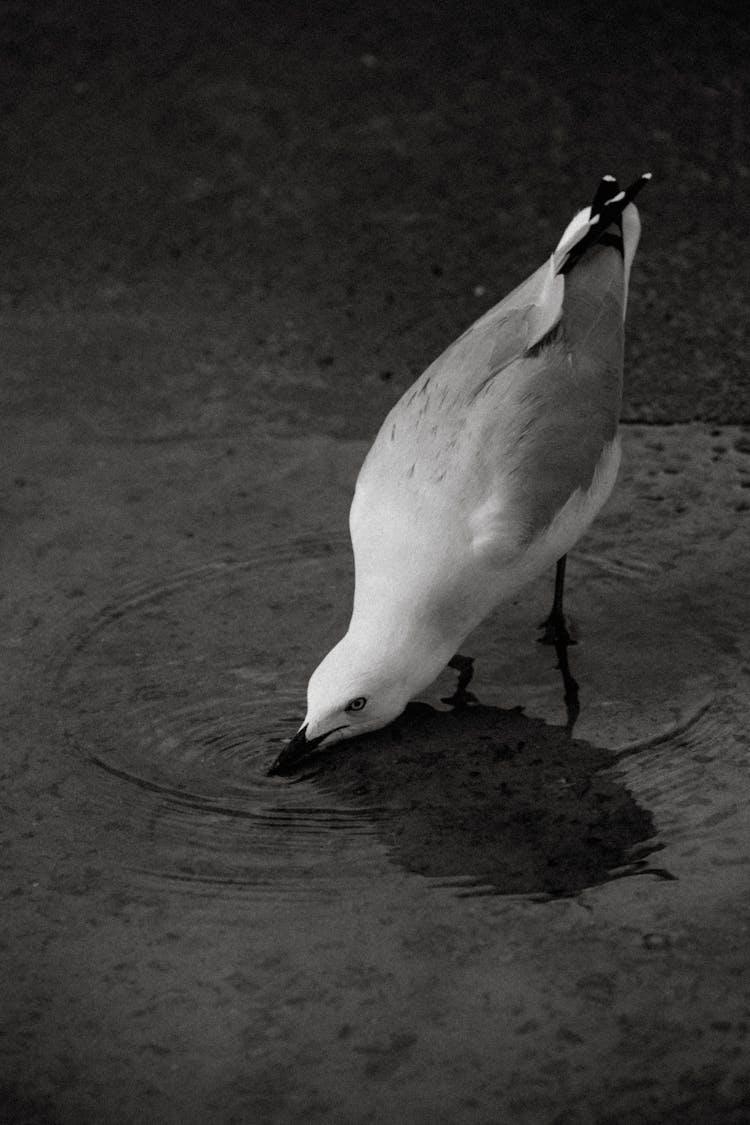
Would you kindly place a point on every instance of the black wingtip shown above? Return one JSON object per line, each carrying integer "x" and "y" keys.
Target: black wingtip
{"x": 607, "y": 187}
{"x": 607, "y": 207}
{"x": 635, "y": 187}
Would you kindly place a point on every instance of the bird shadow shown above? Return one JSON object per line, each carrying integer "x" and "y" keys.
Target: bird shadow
{"x": 493, "y": 801}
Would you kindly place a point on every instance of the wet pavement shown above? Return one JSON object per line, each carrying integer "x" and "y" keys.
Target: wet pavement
{"x": 470, "y": 914}
{"x": 468, "y": 917}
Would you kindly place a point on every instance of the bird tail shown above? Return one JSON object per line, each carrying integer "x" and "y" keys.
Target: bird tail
{"x": 609, "y": 221}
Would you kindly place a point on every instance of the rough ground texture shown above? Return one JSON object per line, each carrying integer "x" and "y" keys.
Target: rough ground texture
{"x": 232, "y": 235}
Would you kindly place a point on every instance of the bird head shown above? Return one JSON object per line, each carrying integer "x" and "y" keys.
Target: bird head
{"x": 349, "y": 694}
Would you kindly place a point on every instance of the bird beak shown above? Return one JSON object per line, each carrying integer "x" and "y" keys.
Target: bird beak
{"x": 296, "y": 749}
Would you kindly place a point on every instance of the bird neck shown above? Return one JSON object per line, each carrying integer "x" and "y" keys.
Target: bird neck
{"x": 403, "y": 642}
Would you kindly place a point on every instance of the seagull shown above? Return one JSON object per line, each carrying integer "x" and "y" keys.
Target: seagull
{"x": 483, "y": 475}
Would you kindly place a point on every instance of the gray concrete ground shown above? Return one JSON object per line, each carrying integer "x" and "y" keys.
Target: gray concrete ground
{"x": 232, "y": 236}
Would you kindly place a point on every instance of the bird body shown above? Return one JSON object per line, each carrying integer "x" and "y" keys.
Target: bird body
{"x": 484, "y": 473}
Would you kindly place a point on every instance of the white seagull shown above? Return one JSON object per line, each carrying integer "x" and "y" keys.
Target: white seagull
{"x": 484, "y": 474}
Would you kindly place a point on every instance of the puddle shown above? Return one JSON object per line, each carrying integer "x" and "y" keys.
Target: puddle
{"x": 178, "y": 696}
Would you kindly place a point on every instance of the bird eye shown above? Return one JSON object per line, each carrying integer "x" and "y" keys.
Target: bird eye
{"x": 356, "y": 704}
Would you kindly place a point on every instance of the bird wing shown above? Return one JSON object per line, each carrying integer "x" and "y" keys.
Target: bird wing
{"x": 515, "y": 417}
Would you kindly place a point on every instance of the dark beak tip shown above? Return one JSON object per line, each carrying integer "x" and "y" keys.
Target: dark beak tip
{"x": 282, "y": 765}
{"x": 294, "y": 750}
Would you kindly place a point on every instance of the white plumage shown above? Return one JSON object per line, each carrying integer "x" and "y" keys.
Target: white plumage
{"x": 484, "y": 474}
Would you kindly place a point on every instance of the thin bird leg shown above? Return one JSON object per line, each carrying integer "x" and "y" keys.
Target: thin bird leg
{"x": 461, "y": 698}
{"x": 556, "y": 633}
{"x": 555, "y": 626}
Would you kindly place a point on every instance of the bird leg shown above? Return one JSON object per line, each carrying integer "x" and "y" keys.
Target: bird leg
{"x": 461, "y": 698}
{"x": 556, "y": 633}
{"x": 555, "y": 626}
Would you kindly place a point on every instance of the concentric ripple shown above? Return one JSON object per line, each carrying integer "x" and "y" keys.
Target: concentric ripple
{"x": 177, "y": 698}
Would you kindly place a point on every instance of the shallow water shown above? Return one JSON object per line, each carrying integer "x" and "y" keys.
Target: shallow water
{"x": 196, "y": 704}
{"x": 192, "y": 705}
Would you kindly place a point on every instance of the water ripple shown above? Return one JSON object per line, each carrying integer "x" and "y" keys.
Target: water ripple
{"x": 177, "y": 697}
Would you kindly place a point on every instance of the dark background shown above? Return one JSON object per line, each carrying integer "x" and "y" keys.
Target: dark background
{"x": 211, "y": 208}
